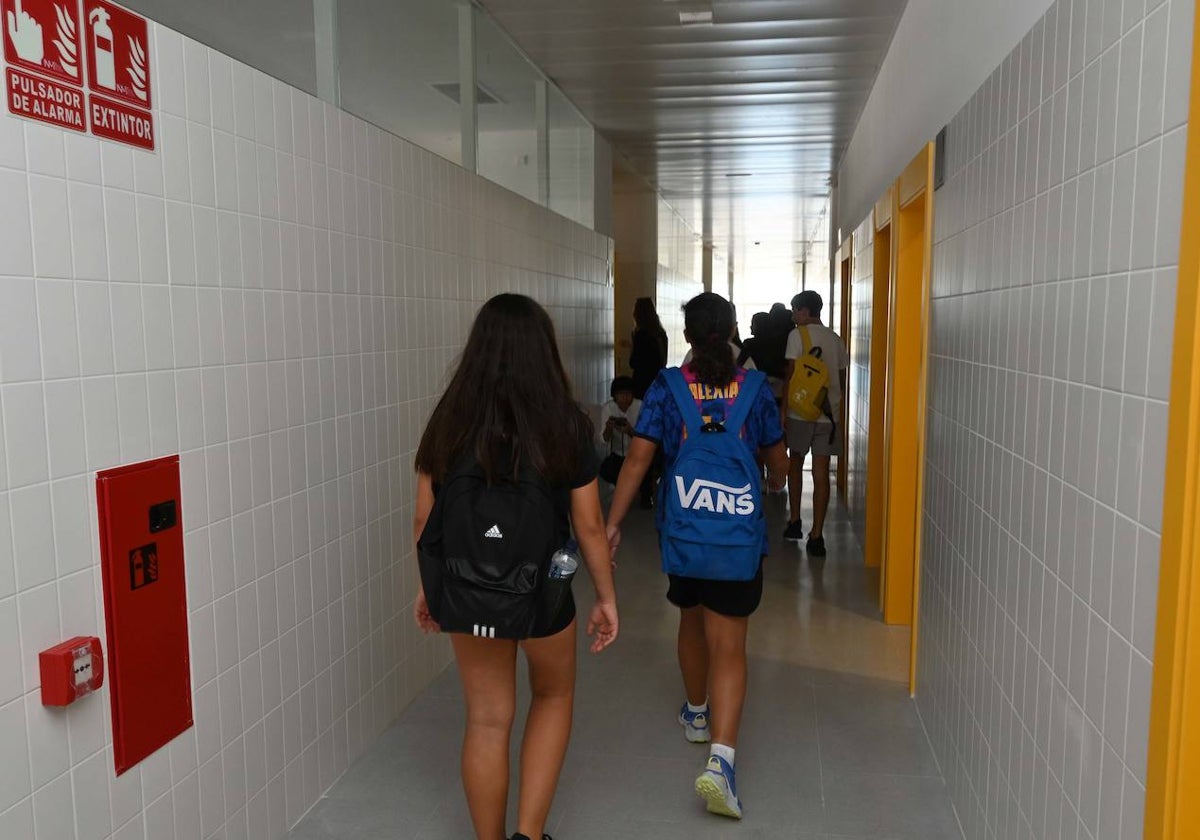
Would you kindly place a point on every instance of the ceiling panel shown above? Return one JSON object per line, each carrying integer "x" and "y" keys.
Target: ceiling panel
{"x": 739, "y": 123}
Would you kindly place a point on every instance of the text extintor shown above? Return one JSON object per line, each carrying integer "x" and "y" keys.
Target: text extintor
{"x": 118, "y": 64}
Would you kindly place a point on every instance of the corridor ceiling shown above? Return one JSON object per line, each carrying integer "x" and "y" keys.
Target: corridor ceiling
{"x": 739, "y": 123}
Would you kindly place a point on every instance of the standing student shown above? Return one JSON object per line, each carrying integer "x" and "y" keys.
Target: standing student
{"x": 782, "y": 327}
{"x": 820, "y": 434}
{"x": 712, "y": 531}
{"x": 758, "y": 353}
{"x": 508, "y": 428}
{"x": 649, "y": 354}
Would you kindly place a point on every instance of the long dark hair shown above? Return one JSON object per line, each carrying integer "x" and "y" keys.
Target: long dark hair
{"x": 708, "y": 322}
{"x": 509, "y": 402}
{"x": 645, "y": 319}
{"x": 645, "y": 316}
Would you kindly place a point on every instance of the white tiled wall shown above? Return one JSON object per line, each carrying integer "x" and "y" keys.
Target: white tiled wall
{"x": 1057, "y": 239}
{"x": 277, "y": 295}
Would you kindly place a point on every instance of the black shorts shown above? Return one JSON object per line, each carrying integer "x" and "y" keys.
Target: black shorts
{"x": 731, "y": 598}
{"x": 560, "y": 623}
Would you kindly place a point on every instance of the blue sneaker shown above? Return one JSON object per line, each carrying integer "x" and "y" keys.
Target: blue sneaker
{"x": 718, "y": 789}
{"x": 695, "y": 725}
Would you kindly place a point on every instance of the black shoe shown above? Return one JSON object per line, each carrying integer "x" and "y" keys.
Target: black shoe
{"x": 524, "y": 837}
{"x": 794, "y": 531}
{"x": 816, "y": 546}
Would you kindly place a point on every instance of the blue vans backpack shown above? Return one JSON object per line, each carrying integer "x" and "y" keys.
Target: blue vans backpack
{"x": 711, "y": 524}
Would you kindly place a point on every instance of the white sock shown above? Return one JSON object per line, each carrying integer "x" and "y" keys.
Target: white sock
{"x": 698, "y": 709}
{"x": 723, "y": 751}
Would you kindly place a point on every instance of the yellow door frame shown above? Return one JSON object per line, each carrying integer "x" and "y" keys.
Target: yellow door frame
{"x": 1173, "y": 810}
{"x": 929, "y": 155}
{"x": 908, "y": 353}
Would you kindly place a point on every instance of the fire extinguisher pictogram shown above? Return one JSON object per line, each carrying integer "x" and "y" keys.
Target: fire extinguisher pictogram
{"x": 118, "y": 53}
{"x": 102, "y": 48}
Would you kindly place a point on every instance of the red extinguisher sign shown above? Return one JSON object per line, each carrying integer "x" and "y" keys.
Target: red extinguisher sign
{"x": 118, "y": 53}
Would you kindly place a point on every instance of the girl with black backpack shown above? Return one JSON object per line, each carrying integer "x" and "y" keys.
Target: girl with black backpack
{"x": 506, "y": 469}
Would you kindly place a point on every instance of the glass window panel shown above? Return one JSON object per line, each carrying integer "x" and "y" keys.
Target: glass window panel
{"x": 275, "y": 36}
{"x": 506, "y": 111}
{"x": 398, "y": 64}
{"x": 571, "y": 141}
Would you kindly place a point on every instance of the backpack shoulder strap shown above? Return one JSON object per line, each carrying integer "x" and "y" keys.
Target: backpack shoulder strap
{"x": 683, "y": 398}
{"x": 747, "y": 393}
{"x": 810, "y": 349}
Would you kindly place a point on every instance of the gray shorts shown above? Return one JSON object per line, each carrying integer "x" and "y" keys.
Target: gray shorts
{"x": 805, "y": 435}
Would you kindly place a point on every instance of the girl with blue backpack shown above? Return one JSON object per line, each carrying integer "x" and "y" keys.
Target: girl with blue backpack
{"x": 710, "y": 418}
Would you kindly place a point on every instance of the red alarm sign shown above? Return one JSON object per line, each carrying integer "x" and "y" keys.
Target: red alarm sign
{"x": 118, "y": 53}
{"x": 43, "y": 36}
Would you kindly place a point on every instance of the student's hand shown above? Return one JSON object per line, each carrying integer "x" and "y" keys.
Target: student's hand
{"x": 602, "y": 625}
{"x": 614, "y": 541}
{"x": 421, "y": 613}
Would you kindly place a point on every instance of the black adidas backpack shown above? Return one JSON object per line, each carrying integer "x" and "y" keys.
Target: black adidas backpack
{"x": 485, "y": 552}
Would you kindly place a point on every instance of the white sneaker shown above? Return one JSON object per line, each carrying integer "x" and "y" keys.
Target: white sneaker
{"x": 716, "y": 786}
{"x": 695, "y": 725}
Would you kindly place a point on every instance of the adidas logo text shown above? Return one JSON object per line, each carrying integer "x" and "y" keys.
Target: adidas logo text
{"x": 494, "y": 533}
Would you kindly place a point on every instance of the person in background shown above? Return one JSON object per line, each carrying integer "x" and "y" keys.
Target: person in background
{"x": 618, "y": 417}
{"x": 758, "y": 351}
{"x": 713, "y": 614}
{"x": 649, "y": 353}
{"x": 509, "y": 406}
{"x": 782, "y": 326}
{"x": 736, "y": 338}
{"x": 820, "y": 436}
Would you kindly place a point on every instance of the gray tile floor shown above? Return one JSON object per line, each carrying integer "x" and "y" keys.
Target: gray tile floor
{"x": 827, "y": 750}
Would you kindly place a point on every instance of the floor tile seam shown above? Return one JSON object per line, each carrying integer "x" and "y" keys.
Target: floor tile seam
{"x": 820, "y": 757}
{"x": 878, "y": 774}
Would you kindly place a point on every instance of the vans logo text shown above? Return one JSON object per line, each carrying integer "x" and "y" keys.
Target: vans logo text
{"x": 719, "y": 498}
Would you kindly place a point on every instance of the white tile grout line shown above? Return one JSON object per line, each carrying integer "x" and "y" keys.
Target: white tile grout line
{"x": 812, "y": 690}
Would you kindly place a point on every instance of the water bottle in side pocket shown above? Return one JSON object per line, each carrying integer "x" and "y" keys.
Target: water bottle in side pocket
{"x": 563, "y": 565}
